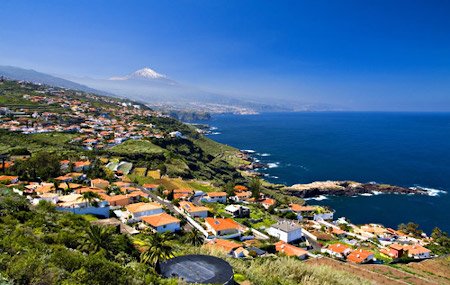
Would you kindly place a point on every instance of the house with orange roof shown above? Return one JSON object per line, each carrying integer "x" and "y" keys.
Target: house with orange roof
{"x": 223, "y": 245}
{"x": 268, "y": 202}
{"x": 117, "y": 201}
{"x": 8, "y": 179}
{"x": 99, "y": 183}
{"x": 193, "y": 210}
{"x": 417, "y": 251}
{"x": 337, "y": 250}
{"x": 215, "y": 197}
{"x": 240, "y": 188}
{"x": 122, "y": 184}
{"x": 64, "y": 178}
{"x": 150, "y": 187}
{"x": 80, "y": 166}
{"x": 223, "y": 227}
{"x": 136, "y": 211}
{"x": 182, "y": 194}
{"x": 162, "y": 222}
{"x": 395, "y": 250}
{"x": 135, "y": 196}
{"x": 360, "y": 256}
{"x": 242, "y": 196}
{"x": 290, "y": 250}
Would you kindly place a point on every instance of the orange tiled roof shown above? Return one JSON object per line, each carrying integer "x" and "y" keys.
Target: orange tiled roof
{"x": 240, "y": 188}
{"x": 220, "y": 224}
{"x": 191, "y": 208}
{"x": 269, "y": 201}
{"x": 300, "y": 208}
{"x": 338, "y": 247}
{"x": 289, "y": 249}
{"x": 160, "y": 220}
{"x": 416, "y": 249}
{"x": 217, "y": 194}
{"x": 141, "y": 207}
{"x": 223, "y": 244}
{"x": 359, "y": 255}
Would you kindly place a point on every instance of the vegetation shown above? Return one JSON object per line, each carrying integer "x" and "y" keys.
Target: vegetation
{"x": 39, "y": 245}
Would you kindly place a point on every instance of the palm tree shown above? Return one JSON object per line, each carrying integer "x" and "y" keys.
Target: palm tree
{"x": 157, "y": 248}
{"x": 89, "y": 197}
{"x": 195, "y": 237}
{"x": 96, "y": 239}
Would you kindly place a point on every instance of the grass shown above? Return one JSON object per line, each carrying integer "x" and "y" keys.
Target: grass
{"x": 136, "y": 147}
{"x": 202, "y": 187}
{"x": 281, "y": 270}
{"x": 50, "y": 142}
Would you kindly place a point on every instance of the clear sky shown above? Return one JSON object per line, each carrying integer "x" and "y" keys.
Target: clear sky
{"x": 363, "y": 55}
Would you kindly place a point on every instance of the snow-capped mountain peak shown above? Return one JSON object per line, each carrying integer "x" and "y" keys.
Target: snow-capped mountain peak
{"x": 144, "y": 73}
{"x": 147, "y": 73}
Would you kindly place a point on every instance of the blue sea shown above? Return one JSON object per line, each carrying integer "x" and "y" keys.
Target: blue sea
{"x": 405, "y": 149}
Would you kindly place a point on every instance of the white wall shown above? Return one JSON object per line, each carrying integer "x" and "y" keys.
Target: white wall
{"x": 168, "y": 228}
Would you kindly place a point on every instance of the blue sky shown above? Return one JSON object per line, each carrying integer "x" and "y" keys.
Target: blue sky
{"x": 362, "y": 55}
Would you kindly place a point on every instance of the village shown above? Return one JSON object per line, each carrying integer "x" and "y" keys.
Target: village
{"x": 239, "y": 221}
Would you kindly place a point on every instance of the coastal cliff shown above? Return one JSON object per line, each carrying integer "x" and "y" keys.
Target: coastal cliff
{"x": 347, "y": 188}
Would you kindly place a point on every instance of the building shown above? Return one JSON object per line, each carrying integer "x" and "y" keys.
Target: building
{"x": 193, "y": 210}
{"x": 150, "y": 187}
{"x": 223, "y": 227}
{"x": 162, "y": 222}
{"x": 226, "y": 246}
{"x": 417, "y": 251}
{"x": 117, "y": 200}
{"x": 74, "y": 203}
{"x": 268, "y": 202}
{"x": 238, "y": 211}
{"x": 215, "y": 197}
{"x": 287, "y": 231}
{"x": 337, "y": 250}
{"x": 290, "y": 250}
{"x": 182, "y": 194}
{"x": 99, "y": 183}
{"x": 136, "y": 211}
{"x": 360, "y": 256}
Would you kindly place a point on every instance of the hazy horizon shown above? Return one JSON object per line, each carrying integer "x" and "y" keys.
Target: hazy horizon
{"x": 371, "y": 56}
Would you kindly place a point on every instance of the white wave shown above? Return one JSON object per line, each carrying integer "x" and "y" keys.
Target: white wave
{"x": 377, "y": 192}
{"x": 216, "y": 133}
{"x": 213, "y": 128}
{"x": 273, "y": 164}
{"x": 431, "y": 191}
{"x": 366, "y": 194}
{"x": 265, "y": 154}
{"x": 249, "y": 150}
{"x": 318, "y": 198}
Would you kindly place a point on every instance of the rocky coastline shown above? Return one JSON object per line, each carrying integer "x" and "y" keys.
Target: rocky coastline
{"x": 348, "y": 188}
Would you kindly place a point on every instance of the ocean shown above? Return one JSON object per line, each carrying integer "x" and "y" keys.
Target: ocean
{"x": 405, "y": 149}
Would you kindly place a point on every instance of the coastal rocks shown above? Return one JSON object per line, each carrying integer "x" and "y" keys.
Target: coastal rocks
{"x": 347, "y": 188}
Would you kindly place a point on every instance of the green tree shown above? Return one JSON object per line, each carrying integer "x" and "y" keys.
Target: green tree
{"x": 97, "y": 239}
{"x": 255, "y": 187}
{"x": 194, "y": 237}
{"x": 410, "y": 228}
{"x": 89, "y": 197}
{"x": 157, "y": 248}
{"x": 41, "y": 166}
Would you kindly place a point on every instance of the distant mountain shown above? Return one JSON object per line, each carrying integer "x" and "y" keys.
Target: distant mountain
{"x": 18, "y": 73}
{"x": 148, "y": 86}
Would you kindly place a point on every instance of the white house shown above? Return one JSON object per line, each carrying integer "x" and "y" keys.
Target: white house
{"x": 215, "y": 197}
{"x": 162, "y": 222}
{"x": 193, "y": 210}
{"x": 417, "y": 251}
{"x": 286, "y": 231}
{"x": 223, "y": 227}
{"x": 337, "y": 250}
{"x": 136, "y": 211}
